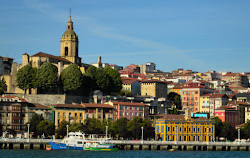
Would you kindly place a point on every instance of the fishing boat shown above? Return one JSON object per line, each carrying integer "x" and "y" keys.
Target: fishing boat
{"x": 74, "y": 141}
{"x": 99, "y": 146}
{"x": 77, "y": 141}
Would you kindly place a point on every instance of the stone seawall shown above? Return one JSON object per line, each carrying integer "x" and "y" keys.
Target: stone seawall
{"x": 48, "y": 99}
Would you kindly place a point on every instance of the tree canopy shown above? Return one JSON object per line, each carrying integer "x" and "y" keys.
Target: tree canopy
{"x": 61, "y": 130}
{"x": 107, "y": 80}
{"x": 46, "y": 128}
{"x": 175, "y": 100}
{"x": 26, "y": 78}
{"x": 34, "y": 121}
{"x": 72, "y": 79}
{"x": 47, "y": 77}
{"x": 115, "y": 79}
{"x": 3, "y": 86}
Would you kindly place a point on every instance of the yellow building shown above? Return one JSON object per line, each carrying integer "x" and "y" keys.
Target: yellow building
{"x": 79, "y": 112}
{"x": 179, "y": 128}
{"x": 204, "y": 103}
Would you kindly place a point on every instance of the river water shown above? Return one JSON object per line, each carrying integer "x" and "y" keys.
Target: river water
{"x": 121, "y": 154}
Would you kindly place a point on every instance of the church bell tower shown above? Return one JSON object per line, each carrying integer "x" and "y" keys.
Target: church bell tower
{"x": 69, "y": 44}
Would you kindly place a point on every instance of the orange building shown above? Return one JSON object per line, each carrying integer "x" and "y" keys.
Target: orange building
{"x": 191, "y": 93}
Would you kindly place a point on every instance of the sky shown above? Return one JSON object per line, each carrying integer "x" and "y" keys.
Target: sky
{"x": 199, "y": 35}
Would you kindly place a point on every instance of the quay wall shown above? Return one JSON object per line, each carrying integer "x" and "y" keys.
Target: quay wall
{"x": 137, "y": 145}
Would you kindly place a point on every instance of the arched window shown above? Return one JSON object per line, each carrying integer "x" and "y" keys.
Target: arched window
{"x": 66, "y": 51}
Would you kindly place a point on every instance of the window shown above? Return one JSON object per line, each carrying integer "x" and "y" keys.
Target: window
{"x": 126, "y": 113}
{"x": 131, "y": 114}
{"x": 66, "y": 51}
{"x": 58, "y": 115}
{"x": 140, "y": 108}
{"x": 121, "y": 107}
{"x": 63, "y": 115}
{"x": 136, "y": 114}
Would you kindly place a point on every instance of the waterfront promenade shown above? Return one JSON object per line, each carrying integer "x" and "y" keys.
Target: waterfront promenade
{"x": 136, "y": 145}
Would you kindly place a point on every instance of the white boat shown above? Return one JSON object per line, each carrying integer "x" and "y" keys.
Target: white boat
{"x": 74, "y": 141}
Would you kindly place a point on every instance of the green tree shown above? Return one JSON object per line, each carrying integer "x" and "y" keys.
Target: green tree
{"x": 110, "y": 125}
{"x": 134, "y": 127}
{"x": 1, "y": 129}
{"x": 34, "y": 121}
{"x": 3, "y": 86}
{"x": 115, "y": 79}
{"x": 47, "y": 77}
{"x": 72, "y": 79}
{"x": 50, "y": 129}
{"x": 218, "y": 126}
{"x": 148, "y": 130}
{"x": 94, "y": 126}
{"x": 175, "y": 100}
{"x": 228, "y": 131}
{"x": 246, "y": 129}
{"x": 45, "y": 127}
{"x": 26, "y": 78}
{"x": 104, "y": 81}
{"x": 120, "y": 127}
{"x": 61, "y": 131}
{"x": 75, "y": 127}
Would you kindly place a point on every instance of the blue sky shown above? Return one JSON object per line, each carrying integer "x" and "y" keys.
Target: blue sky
{"x": 191, "y": 34}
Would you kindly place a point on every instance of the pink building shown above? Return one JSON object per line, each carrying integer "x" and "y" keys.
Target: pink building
{"x": 217, "y": 101}
{"x": 129, "y": 110}
{"x": 228, "y": 114}
{"x": 191, "y": 93}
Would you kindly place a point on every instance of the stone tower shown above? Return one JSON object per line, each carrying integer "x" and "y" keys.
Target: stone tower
{"x": 69, "y": 44}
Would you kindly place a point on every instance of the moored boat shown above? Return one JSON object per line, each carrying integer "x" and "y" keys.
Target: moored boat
{"x": 99, "y": 146}
{"x": 74, "y": 141}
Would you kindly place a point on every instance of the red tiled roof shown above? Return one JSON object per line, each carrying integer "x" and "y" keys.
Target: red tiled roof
{"x": 91, "y": 105}
{"x": 41, "y": 54}
{"x": 13, "y": 97}
{"x": 128, "y": 80}
{"x": 207, "y": 95}
{"x": 237, "y": 103}
{"x": 154, "y": 81}
{"x": 129, "y": 104}
{"x": 68, "y": 106}
{"x": 172, "y": 117}
{"x": 218, "y": 95}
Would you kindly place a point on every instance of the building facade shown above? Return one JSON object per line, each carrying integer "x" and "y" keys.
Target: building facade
{"x": 191, "y": 96}
{"x": 154, "y": 88}
{"x": 14, "y": 113}
{"x": 77, "y": 113}
{"x": 177, "y": 128}
{"x": 129, "y": 110}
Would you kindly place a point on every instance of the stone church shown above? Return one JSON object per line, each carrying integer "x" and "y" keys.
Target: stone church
{"x": 68, "y": 54}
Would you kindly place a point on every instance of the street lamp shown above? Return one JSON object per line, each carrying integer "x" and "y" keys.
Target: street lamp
{"x": 106, "y": 133}
{"x": 28, "y": 131}
{"x": 67, "y": 130}
{"x": 238, "y": 135}
{"x": 142, "y": 133}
